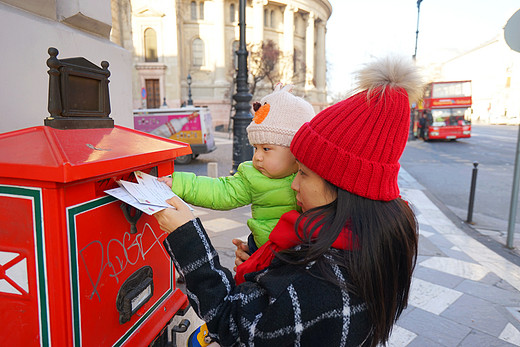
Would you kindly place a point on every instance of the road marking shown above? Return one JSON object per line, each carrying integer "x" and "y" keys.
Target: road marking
{"x": 222, "y": 224}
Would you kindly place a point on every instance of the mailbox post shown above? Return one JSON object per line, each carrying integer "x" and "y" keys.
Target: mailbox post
{"x": 73, "y": 270}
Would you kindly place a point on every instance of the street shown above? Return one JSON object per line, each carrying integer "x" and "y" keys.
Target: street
{"x": 445, "y": 169}
{"x": 222, "y": 155}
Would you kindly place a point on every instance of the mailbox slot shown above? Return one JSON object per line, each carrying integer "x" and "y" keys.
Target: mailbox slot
{"x": 134, "y": 293}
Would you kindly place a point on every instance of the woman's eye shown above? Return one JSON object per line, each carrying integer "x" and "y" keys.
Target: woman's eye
{"x": 266, "y": 149}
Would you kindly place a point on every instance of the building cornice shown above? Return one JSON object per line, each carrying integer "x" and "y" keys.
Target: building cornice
{"x": 150, "y": 66}
{"x": 308, "y": 6}
{"x": 147, "y": 12}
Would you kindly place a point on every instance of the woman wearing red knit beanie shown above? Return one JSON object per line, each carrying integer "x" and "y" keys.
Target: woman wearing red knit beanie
{"x": 338, "y": 274}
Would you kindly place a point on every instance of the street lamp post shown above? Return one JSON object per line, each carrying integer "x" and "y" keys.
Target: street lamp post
{"x": 412, "y": 112}
{"x": 417, "y": 31}
{"x": 190, "y": 102}
{"x": 242, "y": 150}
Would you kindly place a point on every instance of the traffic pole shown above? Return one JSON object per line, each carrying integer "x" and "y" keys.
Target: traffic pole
{"x": 514, "y": 197}
{"x": 469, "y": 219}
{"x": 512, "y": 38}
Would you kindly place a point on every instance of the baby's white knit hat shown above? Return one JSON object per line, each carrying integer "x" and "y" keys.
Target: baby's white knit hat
{"x": 278, "y": 116}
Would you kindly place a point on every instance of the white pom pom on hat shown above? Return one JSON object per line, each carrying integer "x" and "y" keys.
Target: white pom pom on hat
{"x": 356, "y": 143}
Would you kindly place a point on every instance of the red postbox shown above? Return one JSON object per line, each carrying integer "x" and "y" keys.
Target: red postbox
{"x": 72, "y": 270}
{"x": 77, "y": 267}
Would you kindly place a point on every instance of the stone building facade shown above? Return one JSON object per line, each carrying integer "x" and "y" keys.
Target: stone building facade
{"x": 173, "y": 39}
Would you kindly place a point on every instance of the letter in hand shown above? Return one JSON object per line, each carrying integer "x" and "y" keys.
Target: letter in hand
{"x": 172, "y": 218}
{"x": 166, "y": 179}
{"x": 242, "y": 252}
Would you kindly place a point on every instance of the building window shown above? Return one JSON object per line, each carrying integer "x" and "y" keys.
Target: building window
{"x": 269, "y": 18}
{"x": 201, "y": 11}
{"x": 193, "y": 10}
{"x": 197, "y": 10}
{"x": 153, "y": 93}
{"x": 150, "y": 46}
{"x": 232, "y": 18}
{"x": 197, "y": 51}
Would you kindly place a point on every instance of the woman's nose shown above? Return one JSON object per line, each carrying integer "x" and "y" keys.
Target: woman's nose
{"x": 294, "y": 184}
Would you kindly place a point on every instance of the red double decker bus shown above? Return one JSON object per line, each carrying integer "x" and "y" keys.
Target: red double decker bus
{"x": 444, "y": 111}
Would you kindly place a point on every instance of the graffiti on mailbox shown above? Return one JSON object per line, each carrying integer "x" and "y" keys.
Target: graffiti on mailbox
{"x": 116, "y": 255}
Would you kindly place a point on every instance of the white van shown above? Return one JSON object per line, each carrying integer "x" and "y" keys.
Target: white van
{"x": 190, "y": 124}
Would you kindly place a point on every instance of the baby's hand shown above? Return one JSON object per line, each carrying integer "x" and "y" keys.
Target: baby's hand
{"x": 241, "y": 254}
{"x": 167, "y": 180}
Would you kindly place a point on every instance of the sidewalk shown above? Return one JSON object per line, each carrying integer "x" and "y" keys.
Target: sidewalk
{"x": 463, "y": 292}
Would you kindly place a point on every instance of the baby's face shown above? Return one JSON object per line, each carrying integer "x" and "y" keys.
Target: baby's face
{"x": 274, "y": 161}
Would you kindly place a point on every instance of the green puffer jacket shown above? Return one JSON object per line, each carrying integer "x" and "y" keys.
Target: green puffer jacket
{"x": 269, "y": 198}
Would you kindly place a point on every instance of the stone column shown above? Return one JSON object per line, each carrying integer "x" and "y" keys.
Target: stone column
{"x": 321, "y": 63}
{"x": 309, "y": 52}
{"x": 218, "y": 51}
{"x": 288, "y": 41}
{"x": 258, "y": 20}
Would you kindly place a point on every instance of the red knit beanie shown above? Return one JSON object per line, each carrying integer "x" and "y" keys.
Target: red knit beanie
{"x": 356, "y": 144}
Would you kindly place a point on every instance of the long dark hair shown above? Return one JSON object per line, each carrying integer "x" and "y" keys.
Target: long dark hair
{"x": 380, "y": 266}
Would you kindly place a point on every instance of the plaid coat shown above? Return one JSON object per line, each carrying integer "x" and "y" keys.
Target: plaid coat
{"x": 283, "y": 305}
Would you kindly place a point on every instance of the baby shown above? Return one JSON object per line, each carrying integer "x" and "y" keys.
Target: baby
{"x": 264, "y": 182}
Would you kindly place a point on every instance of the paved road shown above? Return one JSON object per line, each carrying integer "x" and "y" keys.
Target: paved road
{"x": 222, "y": 155}
{"x": 444, "y": 168}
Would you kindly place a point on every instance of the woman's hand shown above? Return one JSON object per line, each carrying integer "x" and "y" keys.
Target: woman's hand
{"x": 241, "y": 254}
{"x": 171, "y": 218}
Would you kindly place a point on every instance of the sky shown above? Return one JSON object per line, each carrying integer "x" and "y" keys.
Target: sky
{"x": 359, "y": 30}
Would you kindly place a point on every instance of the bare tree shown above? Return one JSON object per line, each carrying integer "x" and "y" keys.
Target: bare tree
{"x": 263, "y": 60}
{"x": 268, "y": 62}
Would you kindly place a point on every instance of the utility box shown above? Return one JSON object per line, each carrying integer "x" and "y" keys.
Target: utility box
{"x": 77, "y": 266}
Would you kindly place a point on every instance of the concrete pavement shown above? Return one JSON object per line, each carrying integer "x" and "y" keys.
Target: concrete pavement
{"x": 465, "y": 289}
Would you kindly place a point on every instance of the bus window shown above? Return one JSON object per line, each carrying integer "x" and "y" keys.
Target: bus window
{"x": 451, "y": 90}
{"x": 441, "y": 117}
{"x": 451, "y": 116}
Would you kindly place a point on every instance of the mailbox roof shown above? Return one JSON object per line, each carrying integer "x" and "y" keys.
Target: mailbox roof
{"x": 47, "y": 154}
